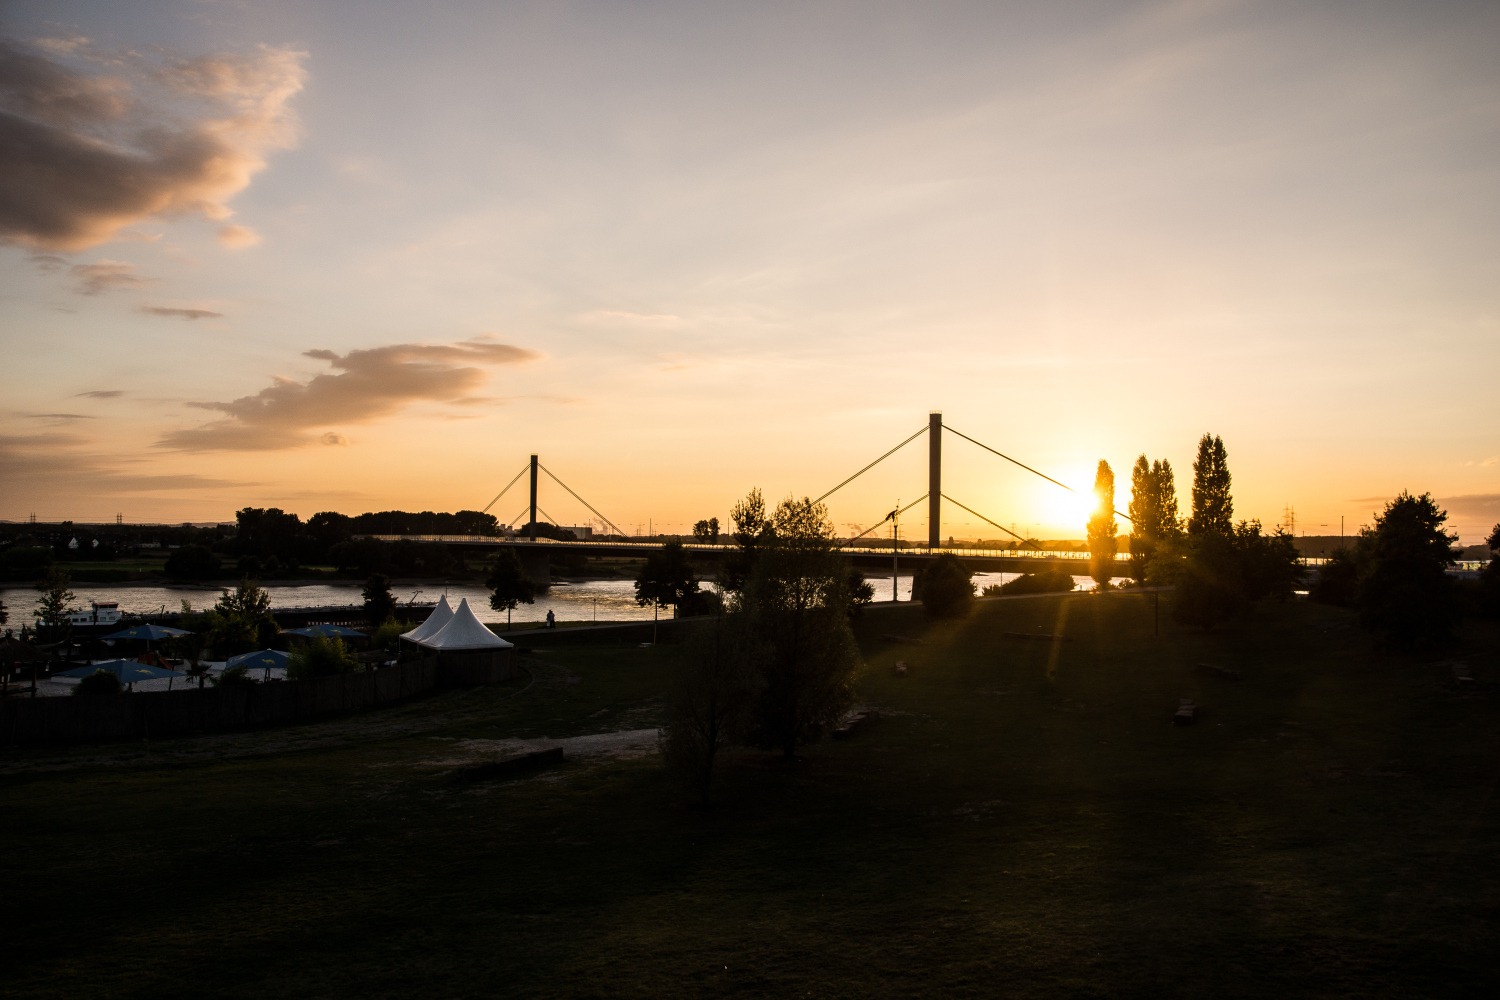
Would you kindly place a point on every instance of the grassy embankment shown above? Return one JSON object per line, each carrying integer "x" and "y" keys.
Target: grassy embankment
{"x": 1023, "y": 821}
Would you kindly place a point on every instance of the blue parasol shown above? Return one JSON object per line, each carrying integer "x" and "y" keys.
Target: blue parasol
{"x": 265, "y": 659}
{"x": 150, "y": 633}
{"x": 128, "y": 671}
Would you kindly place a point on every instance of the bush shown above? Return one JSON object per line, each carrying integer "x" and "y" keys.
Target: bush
{"x": 320, "y": 657}
{"x": 388, "y": 635}
{"x": 99, "y": 684}
{"x": 1047, "y": 581}
{"x": 232, "y": 677}
{"x": 947, "y": 587}
{"x": 193, "y": 562}
{"x": 26, "y": 562}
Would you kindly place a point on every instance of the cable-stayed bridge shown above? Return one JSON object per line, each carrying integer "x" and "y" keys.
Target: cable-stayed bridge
{"x": 534, "y": 551}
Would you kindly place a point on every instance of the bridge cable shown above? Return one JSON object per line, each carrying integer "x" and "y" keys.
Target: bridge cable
{"x": 894, "y": 513}
{"x": 526, "y": 509}
{"x": 1024, "y": 466}
{"x": 507, "y": 487}
{"x": 583, "y": 501}
{"x": 872, "y": 465}
{"x": 976, "y": 513}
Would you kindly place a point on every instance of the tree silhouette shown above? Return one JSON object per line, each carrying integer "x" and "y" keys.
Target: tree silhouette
{"x": 508, "y": 584}
{"x": 1102, "y": 527}
{"x": 1213, "y": 506}
{"x": 1405, "y": 592}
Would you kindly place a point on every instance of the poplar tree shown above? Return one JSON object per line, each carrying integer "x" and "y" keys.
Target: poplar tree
{"x": 1213, "y": 506}
{"x": 1102, "y": 528}
{"x": 1144, "y": 516}
{"x": 1168, "y": 522}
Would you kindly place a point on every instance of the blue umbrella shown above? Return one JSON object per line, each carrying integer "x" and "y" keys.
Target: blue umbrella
{"x": 326, "y": 631}
{"x": 264, "y": 659}
{"x": 128, "y": 671}
{"x": 148, "y": 632}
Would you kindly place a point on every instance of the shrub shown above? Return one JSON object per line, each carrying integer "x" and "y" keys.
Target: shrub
{"x": 320, "y": 657}
{"x": 1047, "y": 581}
{"x": 232, "y": 677}
{"x": 99, "y": 684}
{"x": 1405, "y": 592}
{"x": 1338, "y": 580}
{"x": 947, "y": 587}
{"x": 1209, "y": 588}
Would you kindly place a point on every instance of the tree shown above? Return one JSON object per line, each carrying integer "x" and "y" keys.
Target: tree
{"x": 55, "y": 606}
{"x": 192, "y": 562}
{"x": 320, "y": 657}
{"x": 1213, "y": 506}
{"x": 232, "y": 677}
{"x": 241, "y": 621}
{"x": 947, "y": 587}
{"x": 1489, "y": 580}
{"x": 388, "y": 635}
{"x": 1144, "y": 517}
{"x": 1338, "y": 579}
{"x": 509, "y": 584}
{"x": 191, "y": 647}
{"x": 750, "y": 528}
{"x": 797, "y": 601}
{"x": 1102, "y": 527}
{"x": 1268, "y": 563}
{"x": 379, "y": 604}
{"x": 99, "y": 684}
{"x": 1405, "y": 592}
{"x": 666, "y": 579}
{"x": 1208, "y": 585}
{"x": 709, "y": 700}
{"x": 707, "y": 531}
{"x": 861, "y": 592}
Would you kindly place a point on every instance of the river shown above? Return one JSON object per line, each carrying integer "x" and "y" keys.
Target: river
{"x": 583, "y": 600}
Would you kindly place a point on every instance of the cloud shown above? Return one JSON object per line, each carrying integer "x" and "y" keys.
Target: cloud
{"x": 184, "y": 313}
{"x": 60, "y": 416}
{"x": 88, "y": 154}
{"x": 49, "y": 263}
{"x": 335, "y": 438}
{"x": 103, "y": 393}
{"x": 58, "y": 462}
{"x": 238, "y": 237}
{"x": 373, "y": 383}
{"x": 106, "y": 275}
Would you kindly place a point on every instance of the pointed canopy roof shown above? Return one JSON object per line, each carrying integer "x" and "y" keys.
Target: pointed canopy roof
{"x": 440, "y": 616}
{"x": 464, "y": 632}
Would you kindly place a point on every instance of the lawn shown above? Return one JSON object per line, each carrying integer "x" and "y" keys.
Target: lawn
{"x": 1023, "y": 821}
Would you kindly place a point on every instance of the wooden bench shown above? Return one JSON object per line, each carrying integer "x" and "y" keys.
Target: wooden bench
{"x": 1224, "y": 672}
{"x": 1035, "y": 635}
{"x": 892, "y": 637}
{"x": 1186, "y": 710}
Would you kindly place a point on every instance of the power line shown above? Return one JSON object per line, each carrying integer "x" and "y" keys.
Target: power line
{"x": 872, "y": 465}
{"x": 894, "y": 513}
{"x": 983, "y": 518}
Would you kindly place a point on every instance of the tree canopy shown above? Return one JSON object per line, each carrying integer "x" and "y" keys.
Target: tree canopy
{"x": 1405, "y": 592}
{"x": 508, "y": 583}
{"x": 1213, "y": 505}
{"x": 666, "y": 579}
{"x": 1102, "y": 527}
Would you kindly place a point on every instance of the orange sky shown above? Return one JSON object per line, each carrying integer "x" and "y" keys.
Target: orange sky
{"x": 293, "y": 256}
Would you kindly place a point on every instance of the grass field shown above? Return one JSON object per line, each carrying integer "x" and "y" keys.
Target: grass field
{"x": 1023, "y": 821}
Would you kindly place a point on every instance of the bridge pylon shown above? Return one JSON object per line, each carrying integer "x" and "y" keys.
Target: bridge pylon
{"x": 934, "y": 479}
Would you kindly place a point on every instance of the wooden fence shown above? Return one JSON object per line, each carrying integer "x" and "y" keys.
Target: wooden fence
{"x": 172, "y": 713}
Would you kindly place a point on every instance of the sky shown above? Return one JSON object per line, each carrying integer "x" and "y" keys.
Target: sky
{"x": 365, "y": 256}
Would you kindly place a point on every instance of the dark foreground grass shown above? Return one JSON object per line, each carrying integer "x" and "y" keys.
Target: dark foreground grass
{"x": 1023, "y": 821}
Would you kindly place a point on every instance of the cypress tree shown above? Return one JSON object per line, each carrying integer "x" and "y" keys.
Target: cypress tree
{"x": 1102, "y": 527}
{"x": 1213, "y": 506}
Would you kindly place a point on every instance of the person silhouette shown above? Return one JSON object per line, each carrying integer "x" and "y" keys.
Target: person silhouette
{"x": 551, "y": 619}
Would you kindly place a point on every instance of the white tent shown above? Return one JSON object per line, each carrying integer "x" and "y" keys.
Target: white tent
{"x": 464, "y": 632}
{"x": 441, "y": 615}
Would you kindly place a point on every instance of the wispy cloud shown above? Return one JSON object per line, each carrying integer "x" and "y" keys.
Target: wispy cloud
{"x": 60, "y": 416}
{"x": 238, "y": 237}
{"x": 183, "y": 313}
{"x": 107, "y": 275}
{"x": 372, "y": 383}
{"x": 59, "y": 462}
{"x": 103, "y": 393}
{"x": 90, "y": 153}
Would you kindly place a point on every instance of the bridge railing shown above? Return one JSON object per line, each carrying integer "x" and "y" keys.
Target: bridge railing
{"x": 958, "y": 550}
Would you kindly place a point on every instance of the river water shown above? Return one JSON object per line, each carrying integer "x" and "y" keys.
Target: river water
{"x": 584, "y": 600}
